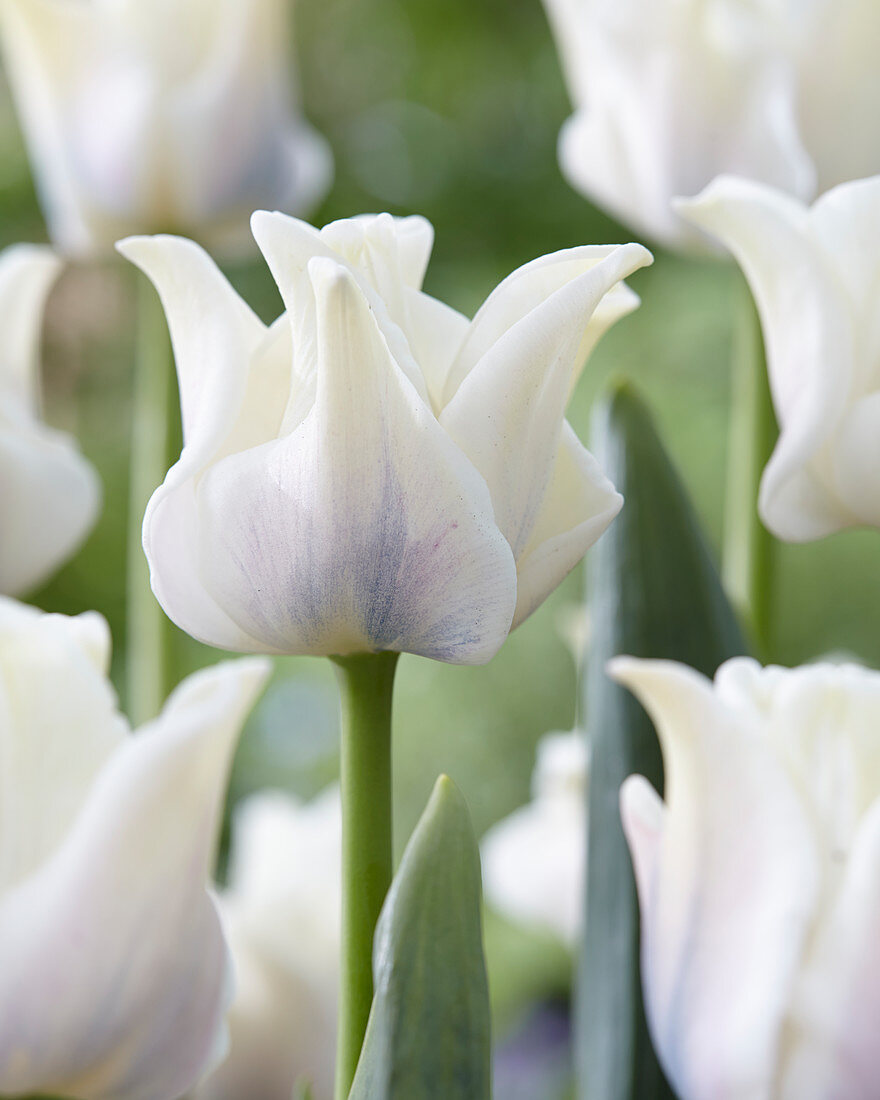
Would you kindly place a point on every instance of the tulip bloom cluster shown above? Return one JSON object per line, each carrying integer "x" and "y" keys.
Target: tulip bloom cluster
{"x": 374, "y": 471}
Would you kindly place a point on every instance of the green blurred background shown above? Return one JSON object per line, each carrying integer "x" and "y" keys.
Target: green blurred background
{"x": 450, "y": 108}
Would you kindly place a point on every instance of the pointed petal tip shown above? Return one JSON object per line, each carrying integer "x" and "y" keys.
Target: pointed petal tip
{"x": 641, "y": 809}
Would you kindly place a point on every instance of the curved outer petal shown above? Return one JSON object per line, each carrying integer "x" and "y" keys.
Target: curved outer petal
{"x": 550, "y": 501}
{"x": 365, "y": 529}
{"x": 216, "y": 338}
{"x": 49, "y": 498}
{"x": 668, "y": 95}
{"x": 115, "y": 968}
{"x": 49, "y": 494}
{"x": 808, "y": 325}
{"x": 728, "y": 877}
{"x": 832, "y": 1052}
{"x": 52, "y": 743}
{"x": 27, "y": 275}
{"x": 532, "y": 285}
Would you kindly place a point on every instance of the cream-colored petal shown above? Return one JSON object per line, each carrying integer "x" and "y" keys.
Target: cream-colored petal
{"x": 531, "y": 285}
{"x": 832, "y": 1051}
{"x": 214, "y": 333}
{"x": 366, "y": 529}
{"x": 59, "y": 723}
{"x": 729, "y": 881}
{"x": 579, "y": 504}
{"x": 47, "y": 46}
{"x": 435, "y": 331}
{"x": 49, "y": 500}
{"x": 115, "y": 968}
{"x": 368, "y": 248}
{"x": 507, "y": 415}
{"x": 811, "y": 352}
{"x": 27, "y": 274}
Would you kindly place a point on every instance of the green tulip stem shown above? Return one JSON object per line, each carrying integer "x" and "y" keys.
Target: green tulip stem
{"x": 749, "y": 557}
{"x": 153, "y": 431}
{"x": 366, "y": 685}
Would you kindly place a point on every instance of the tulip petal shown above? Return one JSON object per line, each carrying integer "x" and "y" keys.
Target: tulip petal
{"x": 579, "y": 504}
{"x": 380, "y": 252}
{"x": 807, "y": 327}
{"x": 46, "y": 769}
{"x": 53, "y": 495}
{"x": 728, "y": 897}
{"x": 435, "y": 331}
{"x": 213, "y": 330}
{"x": 527, "y": 288}
{"x": 115, "y": 971}
{"x": 524, "y": 378}
{"x": 366, "y": 529}
{"x": 27, "y": 274}
{"x": 46, "y": 46}
{"x": 832, "y": 1051}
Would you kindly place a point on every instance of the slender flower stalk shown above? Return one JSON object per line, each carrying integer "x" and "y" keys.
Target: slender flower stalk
{"x": 366, "y": 684}
{"x": 749, "y": 548}
{"x": 154, "y": 410}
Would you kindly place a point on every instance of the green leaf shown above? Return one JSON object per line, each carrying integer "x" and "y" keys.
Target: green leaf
{"x": 429, "y": 1029}
{"x": 653, "y": 592}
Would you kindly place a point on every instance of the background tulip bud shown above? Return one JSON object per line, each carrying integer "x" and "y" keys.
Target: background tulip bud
{"x": 173, "y": 115}
{"x": 281, "y": 916}
{"x": 813, "y": 273}
{"x": 374, "y": 471}
{"x": 49, "y": 494}
{"x": 758, "y": 877}
{"x": 534, "y": 860}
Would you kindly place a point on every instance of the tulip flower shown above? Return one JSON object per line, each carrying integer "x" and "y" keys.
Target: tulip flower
{"x": 168, "y": 115}
{"x": 669, "y": 94}
{"x": 757, "y": 878}
{"x": 534, "y": 860}
{"x": 813, "y": 274}
{"x": 374, "y": 471}
{"x": 281, "y": 913}
{"x": 49, "y": 494}
{"x": 115, "y": 970}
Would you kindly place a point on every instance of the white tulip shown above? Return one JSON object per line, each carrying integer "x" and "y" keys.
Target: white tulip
{"x": 758, "y": 879}
{"x": 49, "y": 494}
{"x": 281, "y": 914}
{"x": 669, "y": 94}
{"x": 813, "y": 272}
{"x": 164, "y": 115}
{"x": 374, "y": 471}
{"x": 534, "y": 861}
{"x": 115, "y": 970}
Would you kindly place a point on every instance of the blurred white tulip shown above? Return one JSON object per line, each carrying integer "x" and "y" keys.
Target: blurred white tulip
{"x": 281, "y": 914}
{"x": 169, "y": 115}
{"x": 758, "y": 878}
{"x": 814, "y": 274}
{"x": 669, "y": 94}
{"x": 115, "y": 970}
{"x": 49, "y": 494}
{"x": 375, "y": 471}
{"x": 534, "y": 861}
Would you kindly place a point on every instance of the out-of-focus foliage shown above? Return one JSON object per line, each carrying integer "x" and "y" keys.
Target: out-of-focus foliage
{"x": 450, "y": 108}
